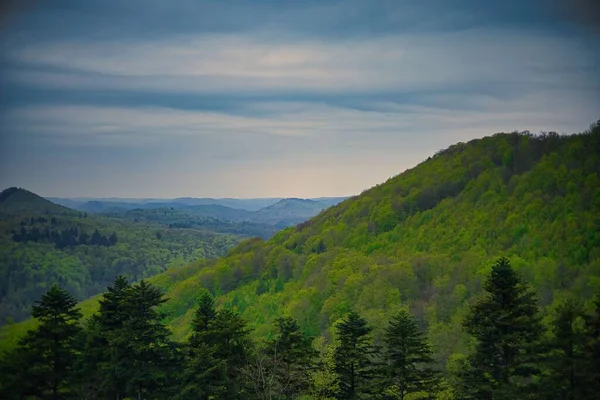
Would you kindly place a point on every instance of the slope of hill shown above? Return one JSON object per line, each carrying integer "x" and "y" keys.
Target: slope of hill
{"x": 423, "y": 240}
{"x": 42, "y": 243}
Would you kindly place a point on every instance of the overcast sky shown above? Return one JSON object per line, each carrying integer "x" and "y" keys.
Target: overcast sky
{"x": 148, "y": 98}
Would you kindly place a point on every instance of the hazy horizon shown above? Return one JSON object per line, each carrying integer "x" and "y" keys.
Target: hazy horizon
{"x": 266, "y": 99}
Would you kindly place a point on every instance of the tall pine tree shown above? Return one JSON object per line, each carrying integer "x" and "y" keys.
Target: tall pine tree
{"x": 203, "y": 375}
{"x": 106, "y": 356}
{"x": 45, "y": 358}
{"x": 152, "y": 355}
{"x": 408, "y": 357}
{"x": 507, "y": 330}
{"x": 354, "y": 358}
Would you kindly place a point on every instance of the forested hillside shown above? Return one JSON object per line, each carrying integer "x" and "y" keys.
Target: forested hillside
{"x": 425, "y": 242}
{"x": 42, "y": 243}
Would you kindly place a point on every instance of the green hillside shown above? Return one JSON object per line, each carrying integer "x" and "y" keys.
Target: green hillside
{"x": 42, "y": 243}
{"x": 424, "y": 240}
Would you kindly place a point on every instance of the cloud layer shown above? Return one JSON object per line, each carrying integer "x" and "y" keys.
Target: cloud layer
{"x": 288, "y": 101}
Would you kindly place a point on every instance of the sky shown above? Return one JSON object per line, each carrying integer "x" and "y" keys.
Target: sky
{"x": 265, "y": 98}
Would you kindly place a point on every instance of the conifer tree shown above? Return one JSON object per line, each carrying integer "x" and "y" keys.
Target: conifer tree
{"x": 355, "y": 358}
{"x": 202, "y": 376}
{"x": 106, "y": 355}
{"x": 230, "y": 337}
{"x": 566, "y": 361}
{"x": 152, "y": 355}
{"x": 46, "y": 356}
{"x": 507, "y": 329}
{"x": 409, "y": 358}
{"x": 287, "y": 360}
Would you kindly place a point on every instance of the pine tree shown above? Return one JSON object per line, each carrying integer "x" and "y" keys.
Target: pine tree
{"x": 507, "y": 330}
{"x": 280, "y": 369}
{"x": 152, "y": 356}
{"x": 216, "y": 354}
{"x": 45, "y": 358}
{"x": 408, "y": 356}
{"x": 566, "y": 361}
{"x": 106, "y": 355}
{"x": 355, "y": 358}
{"x": 205, "y": 314}
{"x": 203, "y": 375}
{"x": 295, "y": 356}
{"x": 230, "y": 337}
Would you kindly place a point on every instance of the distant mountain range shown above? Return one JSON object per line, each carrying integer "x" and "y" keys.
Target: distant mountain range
{"x": 100, "y": 205}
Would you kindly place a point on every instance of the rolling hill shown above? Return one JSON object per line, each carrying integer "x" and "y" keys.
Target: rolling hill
{"x": 423, "y": 240}
{"x": 42, "y": 243}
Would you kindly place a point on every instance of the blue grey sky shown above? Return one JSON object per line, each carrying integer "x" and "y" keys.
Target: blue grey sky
{"x": 265, "y": 98}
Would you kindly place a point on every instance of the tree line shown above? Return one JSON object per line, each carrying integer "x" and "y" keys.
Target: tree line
{"x": 68, "y": 237}
{"x": 125, "y": 350}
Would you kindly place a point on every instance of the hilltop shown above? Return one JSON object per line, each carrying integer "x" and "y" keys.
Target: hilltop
{"x": 18, "y": 200}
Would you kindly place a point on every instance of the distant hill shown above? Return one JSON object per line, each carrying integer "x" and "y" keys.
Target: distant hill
{"x": 119, "y": 205}
{"x": 17, "y": 200}
{"x": 42, "y": 243}
{"x": 116, "y": 205}
{"x": 287, "y": 212}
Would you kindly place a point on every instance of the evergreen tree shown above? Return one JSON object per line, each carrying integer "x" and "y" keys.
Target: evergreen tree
{"x": 106, "y": 355}
{"x": 566, "y": 377}
{"x": 281, "y": 368}
{"x": 507, "y": 330}
{"x": 152, "y": 356}
{"x": 230, "y": 337}
{"x": 205, "y": 314}
{"x": 295, "y": 356}
{"x": 45, "y": 357}
{"x": 354, "y": 358}
{"x": 203, "y": 375}
{"x": 408, "y": 357}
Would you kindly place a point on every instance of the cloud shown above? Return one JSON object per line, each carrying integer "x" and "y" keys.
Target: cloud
{"x": 248, "y": 65}
{"x": 275, "y": 98}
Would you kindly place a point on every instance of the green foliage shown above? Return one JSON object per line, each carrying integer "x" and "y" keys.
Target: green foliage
{"x": 355, "y": 358}
{"x": 42, "y": 244}
{"x": 425, "y": 241}
{"x": 409, "y": 358}
{"x": 507, "y": 331}
{"x": 42, "y": 365}
{"x": 567, "y": 365}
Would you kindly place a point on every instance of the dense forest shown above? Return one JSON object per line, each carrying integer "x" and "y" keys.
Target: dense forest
{"x": 513, "y": 357}
{"x": 42, "y": 243}
{"x": 426, "y": 242}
